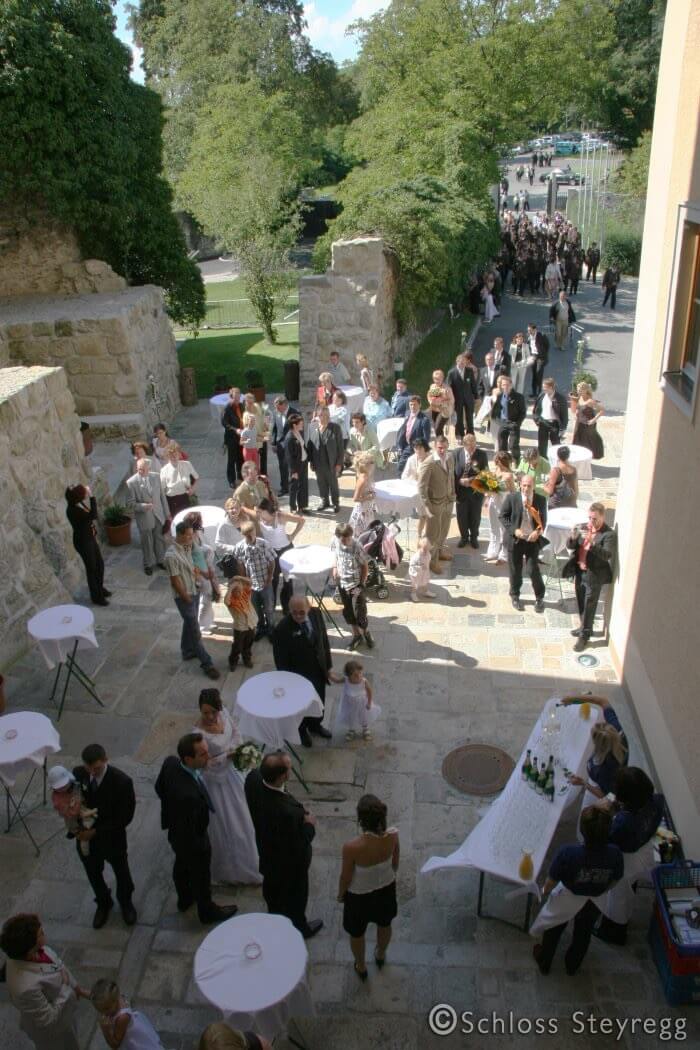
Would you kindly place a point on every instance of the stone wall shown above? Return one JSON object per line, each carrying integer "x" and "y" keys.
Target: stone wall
{"x": 41, "y": 453}
{"x": 117, "y": 349}
{"x": 40, "y": 257}
{"x": 350, "y": 309}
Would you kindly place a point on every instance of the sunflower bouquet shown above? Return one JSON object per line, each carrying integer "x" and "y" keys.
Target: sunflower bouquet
{"x": 486, "y": 483}
{"x": 246, "y": 756}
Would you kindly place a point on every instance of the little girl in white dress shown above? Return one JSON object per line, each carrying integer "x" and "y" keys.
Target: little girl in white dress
{"x": 122, "y": 1027}
{"x": 356, "y": 711}
{"x": 419, "y": 571}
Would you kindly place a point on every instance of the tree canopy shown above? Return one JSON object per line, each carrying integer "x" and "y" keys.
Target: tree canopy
{"x": 628, "y": 92}
{"x": 82, "y": 143}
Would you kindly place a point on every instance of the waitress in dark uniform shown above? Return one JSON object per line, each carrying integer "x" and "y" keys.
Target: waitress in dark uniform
{"x": 82, "y": 515}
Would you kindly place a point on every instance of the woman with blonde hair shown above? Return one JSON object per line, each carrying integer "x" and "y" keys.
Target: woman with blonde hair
{"x": 178, "y": 479}
{"x": 218, "y": 1036}
{"x": 364, "y": 507}
{"x": 610, "y": 750}
{"x": 366, "y": 376}
{"x": 441, "y": 401}
{"x": 325, "y": 389}
{"x": 588, "y": 412}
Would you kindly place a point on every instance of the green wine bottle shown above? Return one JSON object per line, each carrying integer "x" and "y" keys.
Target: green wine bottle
{"x": 526, "y": 767}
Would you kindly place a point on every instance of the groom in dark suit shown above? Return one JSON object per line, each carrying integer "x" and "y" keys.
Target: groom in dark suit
{"x": 284, "y": 831}
{"x": 592, "y": 556}
{"x": 462, "y": 383}
{"x": 300, "y": 645}
{"x": 185, "y": 808}
{"x": 111, "y": 792}
{"x": 524, "y": 517}
{"x": 468, "y": 462}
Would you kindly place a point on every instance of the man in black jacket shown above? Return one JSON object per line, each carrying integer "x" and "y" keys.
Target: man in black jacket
{"x": 508, "y": 410}
{"x": 184, "y": 814}
{"x": 551, "y": 414}
{"x": 539, "y": 356}
{"x": 524, "y": 517}
{"x": 297, "y": 460}
{"x": 468, "y": 461}
{"x": 592, "y": 558}
{"x": 300, "y": 645}
{"x": 281, "y": 413}
{"x": 462, "y": 383}
{"x": 284, "y": 831}
{"x": 111, "y": 792}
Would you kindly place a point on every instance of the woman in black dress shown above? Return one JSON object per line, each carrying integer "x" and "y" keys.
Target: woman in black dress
{"x": 367, "y": 885}
{"x": 232, "y": 422}
{"x": 588, "y": 412}
{"x": 82, "y": 515}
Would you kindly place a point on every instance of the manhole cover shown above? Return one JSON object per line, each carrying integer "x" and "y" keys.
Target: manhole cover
{"x": 588, "y": 660}
{"x": 477, "y": 769}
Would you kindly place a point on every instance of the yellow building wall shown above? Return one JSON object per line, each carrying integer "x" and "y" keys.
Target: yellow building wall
{"x": 655, "y": 617}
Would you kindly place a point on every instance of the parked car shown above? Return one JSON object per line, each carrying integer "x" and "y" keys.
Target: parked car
{"x": 564, "y": 176}
{"x": 565, "y": 148}
{"x": 589, "y": 145}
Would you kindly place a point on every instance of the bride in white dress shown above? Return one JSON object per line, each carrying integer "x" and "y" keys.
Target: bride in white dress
{"x": 234, "y": 855}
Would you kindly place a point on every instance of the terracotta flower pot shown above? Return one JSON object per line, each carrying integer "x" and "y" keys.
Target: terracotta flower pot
{"x": 119, "y": 535}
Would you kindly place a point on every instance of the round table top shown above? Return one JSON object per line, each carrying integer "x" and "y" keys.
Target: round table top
{"x": 275, "y": 694}
{"x": 387, "y": 429}
{"x": 237, "y": 984}
{"x": 566, "y": 517}
{"x": 221, "y": 400}
{"x": 211, "y": 517}
{"x": 352, "y": 391}
{"x": 396, "y": 488}
{"x": 23, "y": 733}
{"x": 577, "y": 453}
{"x": 311, "y": 560}
{"x": 59, "y": 622}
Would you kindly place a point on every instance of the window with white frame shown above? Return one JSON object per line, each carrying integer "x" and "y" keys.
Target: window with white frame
{"x": 682, "y": 342}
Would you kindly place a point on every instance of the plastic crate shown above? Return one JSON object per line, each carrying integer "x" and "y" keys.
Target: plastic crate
{"x": 680, "y": 965}
{"x": 675, "y": 876}
{"x": 679, "y": 990}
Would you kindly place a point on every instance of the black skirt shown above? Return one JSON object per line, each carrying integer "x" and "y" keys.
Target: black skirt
{"x": 360, "y": 909}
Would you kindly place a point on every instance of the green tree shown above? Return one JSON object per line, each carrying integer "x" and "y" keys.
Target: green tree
{"x": 633, "y": 174}
{"x": 82, "y": 143}
{"x": 628, "y": 93}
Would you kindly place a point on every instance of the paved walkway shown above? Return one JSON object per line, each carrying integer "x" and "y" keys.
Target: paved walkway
{"x": 463, "y": 668}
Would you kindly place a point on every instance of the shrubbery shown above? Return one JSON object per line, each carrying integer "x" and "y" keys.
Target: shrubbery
{"x": 623, "y": 248}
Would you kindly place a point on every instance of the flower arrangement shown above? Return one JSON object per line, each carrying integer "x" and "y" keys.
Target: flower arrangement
{"x": 486, "y": 483}
{"x": 246, "y": 756}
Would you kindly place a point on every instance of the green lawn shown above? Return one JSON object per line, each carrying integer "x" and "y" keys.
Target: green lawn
{"x": 438, "y": 350}
{"x": 230, "y": 352}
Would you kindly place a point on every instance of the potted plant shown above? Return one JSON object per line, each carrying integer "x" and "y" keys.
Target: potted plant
{"x": 255, "y": 384}
{"x": 117, "y": 525}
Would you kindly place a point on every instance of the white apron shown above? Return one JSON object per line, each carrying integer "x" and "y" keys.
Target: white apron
{"x": 561, "y": 905}
{"x": 618, "y": 902}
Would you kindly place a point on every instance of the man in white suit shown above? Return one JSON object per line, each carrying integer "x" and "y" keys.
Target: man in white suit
{"x": 147, "y": 501}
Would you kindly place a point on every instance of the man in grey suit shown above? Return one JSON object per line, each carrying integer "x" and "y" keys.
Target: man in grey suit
{"x": 146, "y": 500}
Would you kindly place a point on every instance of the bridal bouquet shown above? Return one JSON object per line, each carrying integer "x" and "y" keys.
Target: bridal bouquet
{"x": 486, "y": 482}
{"x": 247, "y": 756}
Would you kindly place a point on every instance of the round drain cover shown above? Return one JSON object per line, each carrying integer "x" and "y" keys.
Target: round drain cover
{"x": 588, "y": 660}
{"x": 477, "y": 769}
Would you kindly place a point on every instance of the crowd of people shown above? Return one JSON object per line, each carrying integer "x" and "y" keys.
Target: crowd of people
{"x": 459, "y": 441}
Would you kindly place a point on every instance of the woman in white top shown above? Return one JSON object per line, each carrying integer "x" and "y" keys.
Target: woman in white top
{"x": 234, "y": 855}
{"x": 421, "y": 451}
{"x": 366, "y": 377}
{"x": 161, "y": 440}
{"x": 178, "y": 479}
{"x": 338, "y": 409}
{"x": 367, "y": 886}
{"x": 364, "y": 505}
{"x": 272, "y": 524}
{"x": 122, "y": 1027}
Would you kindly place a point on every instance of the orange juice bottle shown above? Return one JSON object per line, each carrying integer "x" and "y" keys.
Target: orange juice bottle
{"x": 526, "y": 868}
{"x": 585, "y": 710}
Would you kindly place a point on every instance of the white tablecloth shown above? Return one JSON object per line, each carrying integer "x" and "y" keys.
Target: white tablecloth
{"x": 560, "y": 522}
{"x": 218, "y": 403}
{"x": 396, "y": 496}
{"x": 56, "y": 630}
{"x": 262, "y": 994}
{"x": 388, "y": 431}
{"x": 270, "y": 706}
{"x": 355, "y": 396}
{"x": 520, "y": 818}
{"x": 26, "y": 739}
{"x": 311, "y": 565}
{"x": 211, "y": 519}
{"x": 579, "y": 457}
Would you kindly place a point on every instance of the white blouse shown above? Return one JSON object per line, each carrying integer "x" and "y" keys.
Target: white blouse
{"x": 175, "y": 477}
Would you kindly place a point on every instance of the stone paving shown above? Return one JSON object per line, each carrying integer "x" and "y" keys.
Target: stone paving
{"x": 462, "y": 668}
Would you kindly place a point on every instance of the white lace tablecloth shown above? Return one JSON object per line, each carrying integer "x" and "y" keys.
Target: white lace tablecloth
{"x": 259, "y": 994}
{"x": 396, "y": 496}
{"x": 211, "y": 519}
{"x": 520, "y": 819}
{"x": 560, "y": 522}
{"x": 579, "y": 457}
{"x": 217, "y": 404}
{"x": 26, "y": 739}
{"x": 270, "y": 706}
{"x": 355, "y": 397}
{"x": 57, "y": 629}
{"x": 388, "y": 431}
{"x": 310, "y": 565}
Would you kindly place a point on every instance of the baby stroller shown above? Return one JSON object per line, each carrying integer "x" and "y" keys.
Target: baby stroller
{"x": 380, "y": 546}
